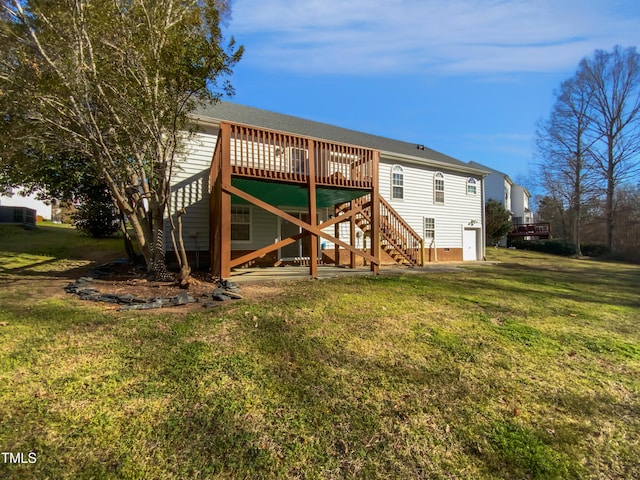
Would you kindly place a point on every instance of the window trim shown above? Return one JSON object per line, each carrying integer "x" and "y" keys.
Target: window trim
{"x": 250, "y": 223}
{"x": 431, "y": 228}
{"x": 472, "y": 183}
{"x": 397, "y": 170}
{"x": 438, "y": 176}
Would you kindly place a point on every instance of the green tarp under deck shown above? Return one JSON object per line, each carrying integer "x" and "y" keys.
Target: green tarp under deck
{"x": 277, "y": 193}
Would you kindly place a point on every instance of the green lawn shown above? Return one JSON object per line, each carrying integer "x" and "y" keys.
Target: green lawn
{"x": 51, "y": 248}
{"x": 529, "y": 368}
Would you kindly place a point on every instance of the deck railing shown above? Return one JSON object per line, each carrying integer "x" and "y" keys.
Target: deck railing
{"x": 400, "y": 234}
{"x": 272, "y": 155}
{"x": 398, "y": 239}
{"x": 531, "y": 230}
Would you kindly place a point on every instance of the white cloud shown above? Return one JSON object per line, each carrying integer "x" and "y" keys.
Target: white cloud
{"x": 405, "y": 36}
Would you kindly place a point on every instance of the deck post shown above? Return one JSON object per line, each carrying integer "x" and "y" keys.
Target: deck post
{"x": 225, "y": 203}
{"x": 336, "y": 232}
{"x": 352, "y": 236}
{"x": 268, "y": 155}
{"x": 375, "y": 215}
{"x": 313, "y": 214}
{"x": 214, "y": 225}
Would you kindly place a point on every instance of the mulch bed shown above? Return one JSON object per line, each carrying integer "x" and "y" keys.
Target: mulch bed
{"x": 125, "y": 285}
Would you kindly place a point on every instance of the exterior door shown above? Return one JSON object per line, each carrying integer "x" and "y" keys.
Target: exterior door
{"x": 288, "y": 229}
{"x": 470, "y": 244}
{"x": 300, "y": 248}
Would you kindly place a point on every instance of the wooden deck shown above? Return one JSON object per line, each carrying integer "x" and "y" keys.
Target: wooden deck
{"x": 270, "y": 156}
{"x": 540, "y": 230}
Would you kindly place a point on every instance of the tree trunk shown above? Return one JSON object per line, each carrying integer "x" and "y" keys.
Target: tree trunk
{"x": 128, "y": 243}
{"x": 185, "y": 269}
{"x": 158, "y": 264}
{"x": 577, "y": 201}
{"x": 609, "y": 212}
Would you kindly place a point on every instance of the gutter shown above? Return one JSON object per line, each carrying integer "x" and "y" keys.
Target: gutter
{"x": 435, "y": 163}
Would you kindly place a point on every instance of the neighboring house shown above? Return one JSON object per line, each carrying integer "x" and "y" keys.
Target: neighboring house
{"x": 520, "y": 197}
{"x": 286, "y": 189}
{"x": 16, "y": 199}
{"x": 498, "y": 186}
{"x": 17, "y": 216}
{"x": 515, "y": 198}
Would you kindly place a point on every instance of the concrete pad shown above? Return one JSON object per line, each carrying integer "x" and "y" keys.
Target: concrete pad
{"x": 289, "y": 272}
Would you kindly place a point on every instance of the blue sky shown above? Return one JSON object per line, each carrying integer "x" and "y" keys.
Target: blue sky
{"x": 469, "y": 78}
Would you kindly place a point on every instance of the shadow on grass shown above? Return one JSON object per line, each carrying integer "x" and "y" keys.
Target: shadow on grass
{"x": 593, "y": 283}
{"x": 53, "y": 251}
{"x": 286, "y": 396}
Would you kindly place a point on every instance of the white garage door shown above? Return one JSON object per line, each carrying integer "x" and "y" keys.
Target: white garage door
{"x": 470, "y": 244}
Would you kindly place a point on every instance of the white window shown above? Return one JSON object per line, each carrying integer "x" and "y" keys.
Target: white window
{"x": 240, "y": 223}
{"x": 429, "y": 230}
{"x": 472, "y": 186}
{"x": 397, "y": 182}
{"x": 438, "y": 188}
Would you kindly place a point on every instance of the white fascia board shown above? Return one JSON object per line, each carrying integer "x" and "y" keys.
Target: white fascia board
{"x": 433, "y": 163}
{"x": 205, "y": 121}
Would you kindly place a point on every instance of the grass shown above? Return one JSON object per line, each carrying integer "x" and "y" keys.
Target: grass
{"x": 529, "y": 368}
{"x": 53, "y": 248}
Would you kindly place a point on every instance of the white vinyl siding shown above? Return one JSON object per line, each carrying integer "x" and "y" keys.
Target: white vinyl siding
{"x": 264, "y": 230}
{"x": 450, "y": 219}
{"x": 190, "y": 190}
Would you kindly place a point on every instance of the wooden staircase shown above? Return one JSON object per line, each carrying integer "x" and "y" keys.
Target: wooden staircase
{"x": 397, "y": 238}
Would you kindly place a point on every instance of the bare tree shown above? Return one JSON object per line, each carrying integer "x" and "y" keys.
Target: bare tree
{"x": 628, "y": 223}
{"x": 114, "y": 82}
{"x": 565, "y": 166}
{"x": 612, "y": 80}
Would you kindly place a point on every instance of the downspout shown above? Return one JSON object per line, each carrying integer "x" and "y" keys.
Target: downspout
{"x": 435, "y": 249}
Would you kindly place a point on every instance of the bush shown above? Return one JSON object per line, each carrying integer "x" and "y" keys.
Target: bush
{"x": 96, "y": 216}
{"x": 594, "y": 249}
{"x": 554, "y": 247}
{"x": 630, "y": 255}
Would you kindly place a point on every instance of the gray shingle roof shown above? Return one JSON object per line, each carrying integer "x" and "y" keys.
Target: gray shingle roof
{"x": 488, "y": 169}
{"x": 233, "y": 112}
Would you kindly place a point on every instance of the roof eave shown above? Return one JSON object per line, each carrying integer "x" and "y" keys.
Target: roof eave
{"x": 215, "y": 122}
{"x": 434, "y": 163}
{"x": 206, "y": 121}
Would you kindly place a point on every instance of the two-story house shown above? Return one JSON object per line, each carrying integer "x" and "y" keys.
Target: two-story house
{"x": 263, "y": 187}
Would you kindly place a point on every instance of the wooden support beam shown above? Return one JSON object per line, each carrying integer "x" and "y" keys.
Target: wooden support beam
{"x": 214, "y": 222}
{"x": 225, "y": 203}
{"x": 268, "y": 249}
{"x": 375, "y": 217}
{"x": 336, "y": 231}
{"x": 317, "y": 229}
{"x": 339, "y": 219}
{"x": 313, "y": 211}
{"x": 352, "y": 239}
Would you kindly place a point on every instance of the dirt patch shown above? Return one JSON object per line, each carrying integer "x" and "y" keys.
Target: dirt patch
{"x": 123, "y": 279}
